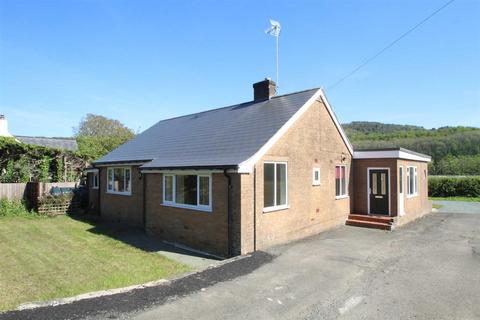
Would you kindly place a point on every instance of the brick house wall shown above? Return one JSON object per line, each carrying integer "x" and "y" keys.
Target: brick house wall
{"x": 360, "y": 184}
{"x": 122, "y": 208}
{"x": 419, "y": 205}
{"x": 313, "y": 141}
{"x": 414, "y": 207}
{"x": 202, "y": 230}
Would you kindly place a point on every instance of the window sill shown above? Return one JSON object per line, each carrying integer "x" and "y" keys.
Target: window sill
{"x": 186, "y": 206}
{"x": 120, "y": 193}
{"x": 316, "y": 184}
{"x": 96, "y": 188}
{"x": 342, "y": 197}
{"x": 412, "y": 195}
{"x": 276, "y": 208}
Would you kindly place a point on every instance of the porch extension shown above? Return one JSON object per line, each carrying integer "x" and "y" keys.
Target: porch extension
{"x": 371, "y": 221}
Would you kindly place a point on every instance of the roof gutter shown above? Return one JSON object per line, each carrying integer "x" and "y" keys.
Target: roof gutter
{"x": 219, "y": 169}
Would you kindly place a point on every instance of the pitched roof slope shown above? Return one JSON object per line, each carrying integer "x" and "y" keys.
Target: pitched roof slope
{"x": 221, "y": 137}
{"x": 56, "y": 143}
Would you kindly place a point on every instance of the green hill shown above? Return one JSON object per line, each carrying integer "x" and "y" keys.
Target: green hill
{"x": 454, "y": 150}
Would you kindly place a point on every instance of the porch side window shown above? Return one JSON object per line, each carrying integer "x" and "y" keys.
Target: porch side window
{"x": 400, "y": 179}
{"x": 340, "y": 181}
{"x": 412, "y": 181}
{"x": 274, "y": 185}
{"x": 187, "y": 191}
{"x": 119, "y": 180}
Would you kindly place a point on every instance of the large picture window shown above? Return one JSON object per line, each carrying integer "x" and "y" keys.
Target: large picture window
{"x": 341, "y": 181}
{"x": 275, "y": 189}
{"x": 187, "y": 191}
{"x": 412, "y": 181}
{"x": 119, "y": 180}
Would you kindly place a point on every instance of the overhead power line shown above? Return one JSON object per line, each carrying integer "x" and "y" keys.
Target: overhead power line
{"x": 391, "y": 44}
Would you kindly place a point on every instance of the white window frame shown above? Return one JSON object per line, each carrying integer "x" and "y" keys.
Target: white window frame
{"x": 346, "y": 195}
{"x": 414, "y": 193}
{"x": 95, "y": 180}
{"x": 112, "y": 191}
{"x": 283, "y": 206}
{"x": 316, "y": 182}
{"x": 173, "y": 203}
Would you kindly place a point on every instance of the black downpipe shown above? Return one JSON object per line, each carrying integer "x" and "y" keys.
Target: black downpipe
{"x": 254, "y": 208}
{"x": 229, "y": 213}
{"x": 144, "y": 199}
{"x": 99, "y": 195}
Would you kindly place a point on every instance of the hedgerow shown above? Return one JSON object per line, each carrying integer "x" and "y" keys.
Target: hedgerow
{"x": 454, "y": 186}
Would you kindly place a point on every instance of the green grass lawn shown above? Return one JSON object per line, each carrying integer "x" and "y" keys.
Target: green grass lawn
{"x": 469, "y": 199}
{"x": 45, "y": 258}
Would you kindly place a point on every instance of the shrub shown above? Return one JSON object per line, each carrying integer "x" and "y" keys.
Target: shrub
{"x": 14, "y": 208}
{"x": 454, "y": 186}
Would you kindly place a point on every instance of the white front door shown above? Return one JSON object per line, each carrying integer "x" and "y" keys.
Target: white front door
{"x": 401, "y": 187}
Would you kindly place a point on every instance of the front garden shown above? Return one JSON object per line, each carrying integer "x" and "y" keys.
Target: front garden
{"x": 52, "y": 257}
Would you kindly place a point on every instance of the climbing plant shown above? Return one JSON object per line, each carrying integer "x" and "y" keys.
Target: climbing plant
{"x": 20, "y": 162}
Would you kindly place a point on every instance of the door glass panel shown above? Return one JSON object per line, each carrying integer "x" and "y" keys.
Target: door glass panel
{"x": 374, "y": 183}
{"x": 383, "y": 183}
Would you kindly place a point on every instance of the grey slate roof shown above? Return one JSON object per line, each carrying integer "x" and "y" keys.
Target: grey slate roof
{"x": 222, "y": 137}
{"x": 56, "y": 143}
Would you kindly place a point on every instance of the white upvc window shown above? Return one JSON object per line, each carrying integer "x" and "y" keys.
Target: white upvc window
{"x": 316, "y": 176}
{"x": 119, "y": 180}
{"x": 275, "y": 186}
{"x": 412, "y": 181}
{"x": 190, "y": 191}
{"x": 95, "y": 180}
{"x": 341, "y": 182}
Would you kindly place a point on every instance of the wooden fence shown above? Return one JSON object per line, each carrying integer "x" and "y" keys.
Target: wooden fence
{"x": 19, "y": 191}
{"x": 13, "y": 191}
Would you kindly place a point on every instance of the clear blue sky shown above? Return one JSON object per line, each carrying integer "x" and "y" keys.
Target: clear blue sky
{"x": 143, "y": 61}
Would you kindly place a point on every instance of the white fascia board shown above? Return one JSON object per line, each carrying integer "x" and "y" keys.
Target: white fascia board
{"x": 335, "y": 120}
{"x": 91, "y": 170}
{"x": 247, "y": 165}
{"x": 410, "y": 156}
{"x": 180, "y": 171}
{"x": 389, "y": 154}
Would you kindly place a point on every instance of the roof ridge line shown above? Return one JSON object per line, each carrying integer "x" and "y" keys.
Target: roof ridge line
{"x": 237, "y": 104}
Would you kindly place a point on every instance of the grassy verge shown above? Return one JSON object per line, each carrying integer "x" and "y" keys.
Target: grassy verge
{"x": 437, "y": 206}
{"x": 468, "y": 199}
{"x": 44, "y": 258}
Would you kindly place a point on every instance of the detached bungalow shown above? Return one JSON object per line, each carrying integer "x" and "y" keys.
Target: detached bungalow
{"x": 245, "y": 177}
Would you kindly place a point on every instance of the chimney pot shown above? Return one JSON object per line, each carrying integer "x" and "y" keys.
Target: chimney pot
{"x": 264, "y": 90}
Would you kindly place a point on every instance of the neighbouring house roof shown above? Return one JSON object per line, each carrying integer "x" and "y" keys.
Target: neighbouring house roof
{"x": 56, "y": 143}
{"x": 400, "y": 153}
{"x": 223, "y": 138}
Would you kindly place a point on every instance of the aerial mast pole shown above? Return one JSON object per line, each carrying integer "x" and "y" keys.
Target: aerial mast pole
{"x": 274, "y": 30}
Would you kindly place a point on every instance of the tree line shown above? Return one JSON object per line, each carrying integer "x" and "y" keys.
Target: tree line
{"x": 454, "y": 150}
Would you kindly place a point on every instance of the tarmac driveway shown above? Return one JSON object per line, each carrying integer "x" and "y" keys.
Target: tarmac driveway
{"x": 429, "y": 269}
